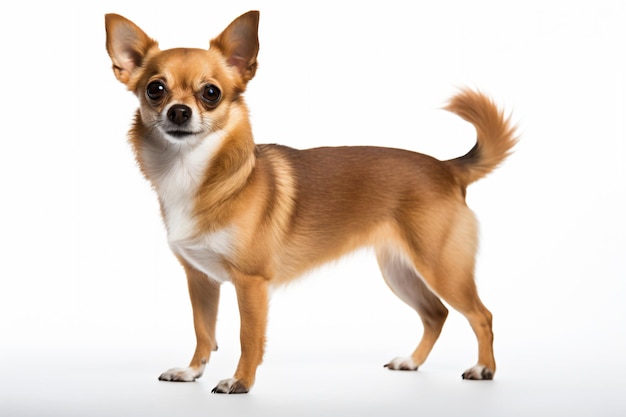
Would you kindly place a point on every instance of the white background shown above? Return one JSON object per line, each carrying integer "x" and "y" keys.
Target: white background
{"x": 93, "y": 306}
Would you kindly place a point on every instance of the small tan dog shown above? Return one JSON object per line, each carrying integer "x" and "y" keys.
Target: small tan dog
{"x": 261, "y": 215}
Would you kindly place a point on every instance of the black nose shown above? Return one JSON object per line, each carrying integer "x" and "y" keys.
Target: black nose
{"x": 179, "y": 114}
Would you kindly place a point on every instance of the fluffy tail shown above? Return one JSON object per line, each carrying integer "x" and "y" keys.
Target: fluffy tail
{"x": 495, "y": 136}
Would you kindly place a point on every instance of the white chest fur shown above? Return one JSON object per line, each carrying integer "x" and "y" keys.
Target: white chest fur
{"x": 177, "y": 171}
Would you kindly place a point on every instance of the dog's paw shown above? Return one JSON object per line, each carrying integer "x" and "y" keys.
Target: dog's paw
{"x": 230, "y": 386}
{"x": 402, "y": 364}
{"x": 181, "y": 375}
{"x": 477, "y": 373}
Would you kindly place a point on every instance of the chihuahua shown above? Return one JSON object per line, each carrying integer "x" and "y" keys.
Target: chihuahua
{"x": 260, "y": 215}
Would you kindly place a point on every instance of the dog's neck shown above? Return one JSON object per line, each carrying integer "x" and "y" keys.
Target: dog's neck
{"x": 195, "y": 178}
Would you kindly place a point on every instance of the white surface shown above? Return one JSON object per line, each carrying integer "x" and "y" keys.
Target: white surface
{"x": 93, "y": 307}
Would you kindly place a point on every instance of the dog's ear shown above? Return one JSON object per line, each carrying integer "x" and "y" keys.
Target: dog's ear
{"x": 239, "y": 43}
{"x": 127, "y": 45}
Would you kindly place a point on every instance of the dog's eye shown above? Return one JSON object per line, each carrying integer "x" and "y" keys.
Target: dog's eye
{"x": 211, "y": 95}
{"x": 155, "y": 90}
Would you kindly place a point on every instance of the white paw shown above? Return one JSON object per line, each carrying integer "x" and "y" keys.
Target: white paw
{"x": 478, "y": 372}
{"x": 402, "y": 364}
{"x": 181, "y": 374}
{"x": 230, "y": 386}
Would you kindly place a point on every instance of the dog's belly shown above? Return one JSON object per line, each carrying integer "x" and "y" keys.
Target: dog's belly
{"x": 206, "y": 253}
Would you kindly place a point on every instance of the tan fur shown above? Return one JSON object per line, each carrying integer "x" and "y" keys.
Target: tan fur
{"x": 264, "y": 214}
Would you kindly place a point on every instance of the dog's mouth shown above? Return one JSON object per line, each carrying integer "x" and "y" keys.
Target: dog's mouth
{"x": 180, "y": 134}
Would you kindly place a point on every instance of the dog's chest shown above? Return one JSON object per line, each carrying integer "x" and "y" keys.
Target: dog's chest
{"x": 177, "y": 182}
{"x": 206, "y": 253}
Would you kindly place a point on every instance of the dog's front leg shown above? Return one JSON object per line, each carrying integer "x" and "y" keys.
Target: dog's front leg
{"x": 204, "y": 293}
{"x": 253, "y": 299}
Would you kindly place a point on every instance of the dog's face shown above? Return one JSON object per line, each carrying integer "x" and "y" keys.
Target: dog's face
{"x": 184, "y": 93}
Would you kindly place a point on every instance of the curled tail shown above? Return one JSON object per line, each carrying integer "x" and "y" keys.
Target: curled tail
{"x": 495, "y": 137}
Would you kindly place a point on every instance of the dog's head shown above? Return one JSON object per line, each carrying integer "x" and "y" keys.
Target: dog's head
{"x": 184, "y": 93}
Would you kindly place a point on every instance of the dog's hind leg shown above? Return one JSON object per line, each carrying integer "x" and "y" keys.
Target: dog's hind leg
{"x": 452, "y": 278}
{"x": 447, "y": 269}
{"x": 463, "y": 297}
{"x": 434, "y": 264}
{"x": 405, "y": 282}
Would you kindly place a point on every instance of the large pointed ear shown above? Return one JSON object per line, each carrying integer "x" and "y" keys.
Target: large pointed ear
{"x": 239, "y": 43}
{"x": 127, "y": 45}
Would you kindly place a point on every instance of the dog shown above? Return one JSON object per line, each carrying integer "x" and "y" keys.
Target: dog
{"x": 261, "y": 215}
